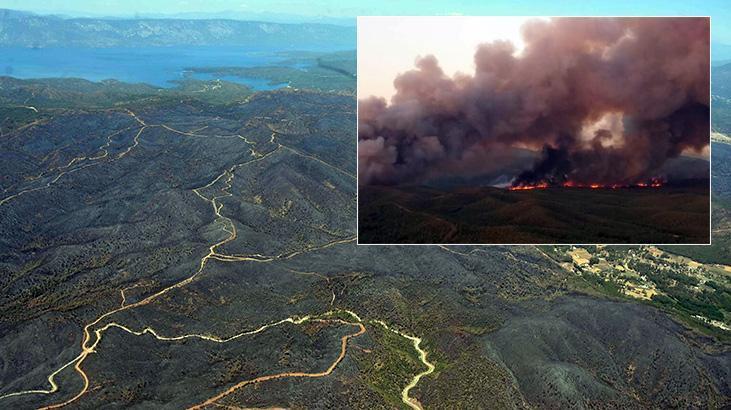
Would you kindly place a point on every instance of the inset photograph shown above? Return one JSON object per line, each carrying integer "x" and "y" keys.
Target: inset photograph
{"x": 533, "y": 130}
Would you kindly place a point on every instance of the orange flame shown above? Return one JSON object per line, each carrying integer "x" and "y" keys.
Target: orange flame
{"x": 654, "y": 183}
{"x": 542, "y": 185}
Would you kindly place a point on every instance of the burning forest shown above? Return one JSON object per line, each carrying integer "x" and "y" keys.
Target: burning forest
{"x": 603, "y": 102}
{"x": 523, "y": 186}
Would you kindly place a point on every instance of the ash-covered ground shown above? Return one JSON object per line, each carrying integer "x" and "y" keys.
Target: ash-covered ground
{"x": 199, "y": 250}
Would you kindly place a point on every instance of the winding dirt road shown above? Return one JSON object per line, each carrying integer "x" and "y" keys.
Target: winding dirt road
{"x": 92, "y": 335}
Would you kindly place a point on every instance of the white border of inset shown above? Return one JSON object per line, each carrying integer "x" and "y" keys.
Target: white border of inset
{"x": 710, "y": 147}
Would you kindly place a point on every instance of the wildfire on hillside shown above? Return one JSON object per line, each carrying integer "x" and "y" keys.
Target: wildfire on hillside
{"x": 653, "y": 183}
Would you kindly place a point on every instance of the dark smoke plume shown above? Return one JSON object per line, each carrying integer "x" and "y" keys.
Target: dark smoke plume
{"x": 607, "y": 100}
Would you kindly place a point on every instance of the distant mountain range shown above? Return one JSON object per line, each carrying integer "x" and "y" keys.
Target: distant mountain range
{"x": 24, "y": 29}
{"x": 721, "y": 84}
{"x": 720, "y": 53}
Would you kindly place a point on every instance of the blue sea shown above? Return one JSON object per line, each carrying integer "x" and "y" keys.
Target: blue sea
{"x": 159, "y": 66}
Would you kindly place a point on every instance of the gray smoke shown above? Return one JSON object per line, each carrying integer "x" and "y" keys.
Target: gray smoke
{"x": 651, "y": 73}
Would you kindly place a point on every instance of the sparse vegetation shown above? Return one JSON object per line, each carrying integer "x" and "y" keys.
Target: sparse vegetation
{"x": 418, "y": 214}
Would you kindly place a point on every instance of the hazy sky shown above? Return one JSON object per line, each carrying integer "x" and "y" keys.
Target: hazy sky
{"x": 389, "y": 45}
{"x": 351, "y": 8}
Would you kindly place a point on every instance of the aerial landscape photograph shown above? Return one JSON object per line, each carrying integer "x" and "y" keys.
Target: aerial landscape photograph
{"x": 580, "y": 130}
{"x": 184, "y": 187}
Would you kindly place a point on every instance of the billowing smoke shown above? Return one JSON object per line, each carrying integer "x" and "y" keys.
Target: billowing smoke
{"x": 606, "y": 100}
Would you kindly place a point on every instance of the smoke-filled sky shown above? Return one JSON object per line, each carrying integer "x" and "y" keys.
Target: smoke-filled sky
{"x": 389, "y": 45}
{"x": 606, "y": 100}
